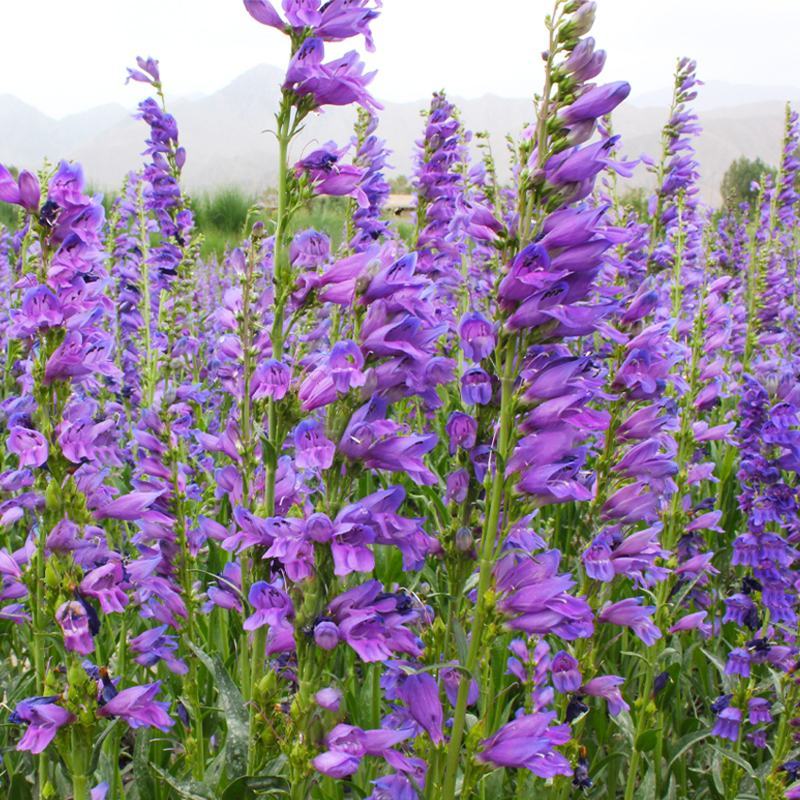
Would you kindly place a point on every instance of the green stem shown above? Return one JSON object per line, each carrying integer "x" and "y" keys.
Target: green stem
{"x": 79, "y": 762}
{"x": 488, "y": 541}
{"x": 282, "y": 288}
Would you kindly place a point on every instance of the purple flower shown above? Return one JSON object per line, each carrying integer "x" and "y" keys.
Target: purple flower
{"x": 607, "y": 687}
{"x": 528, "y": 742}
{"x": 147, "y": 72}
{"x": 310, "y": 249}
{"x": 264, "y": 12}
{"x": 139, "y": 708}
{"x": 379, "y": 443}
{"x": 156, "y": 645}
{"x": 347, "y": 745}
{"x": 326, "y": 634}
{"x": 330, "y": 699}
{"x": 103, "y": 583}
{"x": 478, "y": 337}
{"x": 537, "y": 599}
{"x": 373, "y": 622}
{"x": 272, "y": 606}
{"x": 759, "y": 711}
{"x": 41, "y": 310}
{"x": 341, "y": 372}
{"x": 476, "y": 387}
{"x": 738, "y": 662}
{"x": 632, "y": 614}
{"x": 332, "y": 21}
{"x": 727, "y": 723}
{"x": 565, "y": 672}
{"x": 100, "y": 792}
{"x": 28, "y": 445}
{"x": 421, "y": 694}
{"x": 313, "y": 450}
{"x": 129, "y": 507}
{"x": 24, "y": 191}
{"x": 394, "y": 787}
{"x": 457, "y": 486}
{"x": 328, "y": 176}
{"x": 44, "y": 717}
{"x": 341, "y": 82}
{"x": 692, "y": 622}
{"x": 596, "y": 102}
{"x": 73, "y": 619}
{"x": 270, "y": 380}
{"x": 462, "y": 430}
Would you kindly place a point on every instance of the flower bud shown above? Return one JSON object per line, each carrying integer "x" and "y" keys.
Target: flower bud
{"x": 329, "y": 699}
{"x": 464, "y": 540}
{"x": 326, "y": 634}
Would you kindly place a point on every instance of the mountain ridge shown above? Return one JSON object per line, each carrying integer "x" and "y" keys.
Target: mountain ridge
{"x": 228, "y": 144}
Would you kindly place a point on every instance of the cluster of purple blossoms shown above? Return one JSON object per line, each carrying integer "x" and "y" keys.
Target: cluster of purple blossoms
{"x": 404, "y": 520}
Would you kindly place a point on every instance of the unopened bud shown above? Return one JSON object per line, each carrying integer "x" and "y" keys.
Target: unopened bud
{"x": 464, "y": 540}
{"x": 326, "y": 634}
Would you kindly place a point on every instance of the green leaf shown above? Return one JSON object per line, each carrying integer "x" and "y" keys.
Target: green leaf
{"x": 736, "y": 759}
{"x": 235, "y": 712}
{"x": 248, "y": 787}
{"x": 646, "y": 790}
{"x": 143, "y": 780}
{"x": 646, "y": 740}
{"x": 684, "y": 743}
{"x": 625, "y": 724}
{"x": 98, "y": 745}
{"x": 186, "y": 790}
{"x": 714, "y": 660}
{"x": 20, "y": 789}
{"x": 461, "y": 641}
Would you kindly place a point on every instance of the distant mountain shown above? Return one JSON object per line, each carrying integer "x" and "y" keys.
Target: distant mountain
{"x": 227, "y": 134}
{"x": 719, "y": 94}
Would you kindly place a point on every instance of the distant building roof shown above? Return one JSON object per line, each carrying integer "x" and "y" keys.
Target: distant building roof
{"x": 400, "y": 203}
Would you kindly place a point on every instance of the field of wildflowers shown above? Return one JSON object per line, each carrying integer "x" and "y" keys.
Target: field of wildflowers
{"x": 508, "y": 511}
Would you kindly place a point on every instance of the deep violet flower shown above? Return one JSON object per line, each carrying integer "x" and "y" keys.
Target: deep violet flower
{"x": 73, "y": 619}
{"x": 272, "y": 606}
{"x": 565, "y": 672}
{"x": 139, "y": 708}
{"x": 43, "y": 717}
{"x": 632, "y": 614}
{"x": 347, "y": 745}
{"x": 421, "y": 694}
{"x": 528, "y": 742}
{"x": 28, "y": 445}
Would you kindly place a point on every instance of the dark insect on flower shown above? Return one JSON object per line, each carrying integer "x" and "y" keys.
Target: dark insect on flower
{"x": 575, "y": 709}
{"x": 759, "y": 645}
{"x": 581, "y": 779}
{"x": 750, "y": 585}
{"x": 109, "y": 691}
{"x": 752, "y": 619}
{"x": 792, "y": 769}
{"x": 721, "y": 703}
{"x": 705, "y": 505}
{"x": 660, "y": 681}
{"x": 49, "y": 214}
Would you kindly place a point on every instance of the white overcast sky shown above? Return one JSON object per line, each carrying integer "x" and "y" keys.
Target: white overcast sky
{"x": 69, "y": 55}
